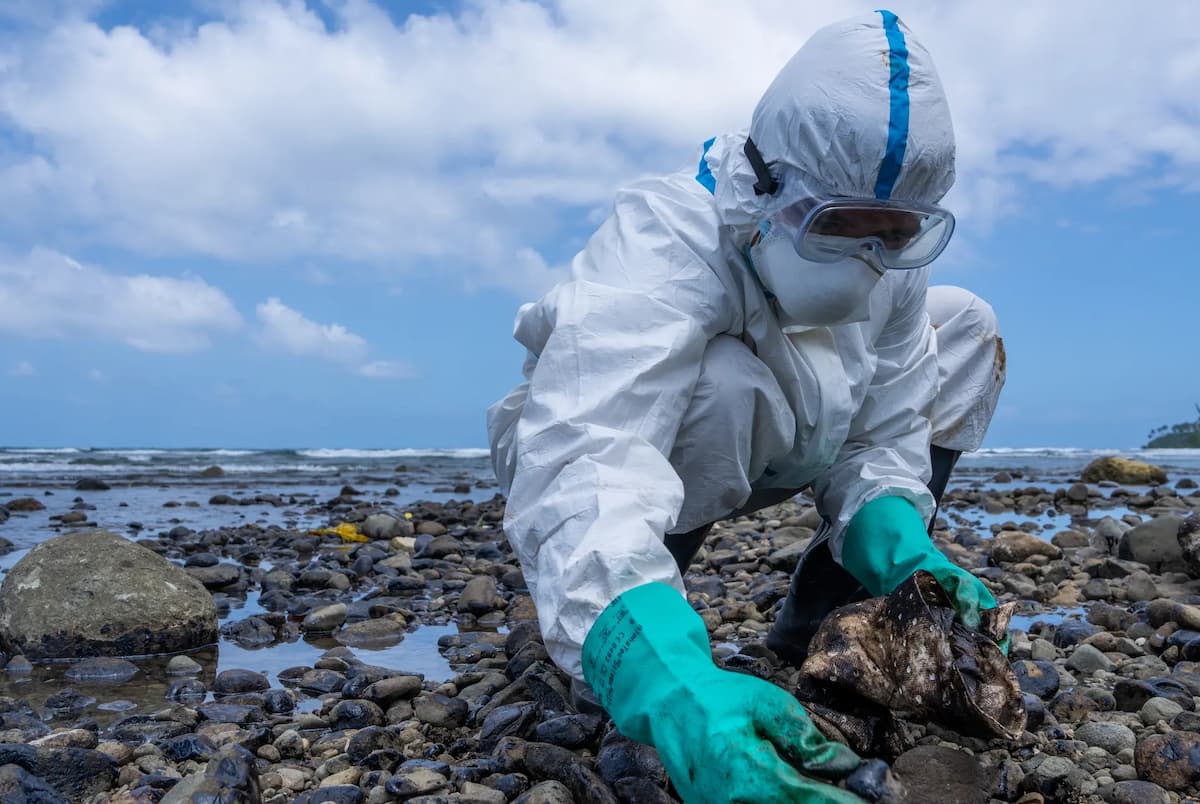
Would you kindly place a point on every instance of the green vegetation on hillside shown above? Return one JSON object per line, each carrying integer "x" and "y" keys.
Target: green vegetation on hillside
{"x": 1185, "y": 434}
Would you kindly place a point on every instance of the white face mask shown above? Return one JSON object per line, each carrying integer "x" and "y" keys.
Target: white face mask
{"x": 813, "y": 294}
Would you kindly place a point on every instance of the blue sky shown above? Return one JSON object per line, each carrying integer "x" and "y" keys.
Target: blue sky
{"x": 275, "y": 224}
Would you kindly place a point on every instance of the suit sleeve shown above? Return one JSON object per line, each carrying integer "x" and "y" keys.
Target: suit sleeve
{"x": 618, "y": 352}
{"x": 887, "y": 450}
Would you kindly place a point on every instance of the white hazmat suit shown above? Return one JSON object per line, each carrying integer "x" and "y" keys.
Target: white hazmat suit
{"x": 663, "y": 386}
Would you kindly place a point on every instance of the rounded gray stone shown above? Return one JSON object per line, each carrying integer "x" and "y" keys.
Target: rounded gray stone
{"x": 1157, "y": 709}
{"x": 1112, "y": 737}
{"x": 325, "y": 619}
{"x": 93, "y": 593}
{"x": 1088, "y": 659}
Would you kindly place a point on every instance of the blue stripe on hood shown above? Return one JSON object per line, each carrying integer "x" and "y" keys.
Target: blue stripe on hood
{"x": 893, "y": 157}
{"x": 704, "y": 175}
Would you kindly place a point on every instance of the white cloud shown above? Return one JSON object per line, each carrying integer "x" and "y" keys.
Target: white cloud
{"x": 472, "y": 140}
{"x": 23, "y": 368}
{"x": 386, "y": 370}
{"x": 283, "y": 329}
{"x": 48, "y": 294}
{"x": 287, "y": 330}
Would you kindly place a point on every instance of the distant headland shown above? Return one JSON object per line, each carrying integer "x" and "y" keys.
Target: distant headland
{"x": 1177, "y": 436}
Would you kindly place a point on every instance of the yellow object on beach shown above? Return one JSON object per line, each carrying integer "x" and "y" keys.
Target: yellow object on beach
{"x": 346, "y": 530}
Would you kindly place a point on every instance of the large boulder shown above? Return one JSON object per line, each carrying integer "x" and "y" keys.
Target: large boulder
{"x": 1123, "y": 470}
{"x": 93, "y": 593}
{"x": 1155, "y": 543}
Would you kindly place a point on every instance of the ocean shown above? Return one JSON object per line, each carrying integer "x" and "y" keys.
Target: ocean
{"x": 158, "y": 489}
{"x": 22, "y": 466}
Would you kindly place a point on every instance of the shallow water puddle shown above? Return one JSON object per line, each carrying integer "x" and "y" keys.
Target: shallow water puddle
{"x": 146, "y": 692}
{"x": 1044, "y": 526}
{"x": 1023, "y": 622}
{"x": 416, "y": 653}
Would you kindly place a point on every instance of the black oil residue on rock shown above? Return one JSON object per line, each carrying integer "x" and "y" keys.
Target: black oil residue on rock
{"x": 874, "y": 664}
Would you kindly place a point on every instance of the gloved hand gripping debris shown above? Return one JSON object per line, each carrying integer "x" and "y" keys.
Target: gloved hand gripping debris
{"x": 906, "y": 656}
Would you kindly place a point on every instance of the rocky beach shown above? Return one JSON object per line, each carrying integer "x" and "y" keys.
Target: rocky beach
{"x": 337, "y": 627}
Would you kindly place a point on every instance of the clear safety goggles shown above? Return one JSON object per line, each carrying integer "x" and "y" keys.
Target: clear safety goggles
{"x": 900, "y": 235}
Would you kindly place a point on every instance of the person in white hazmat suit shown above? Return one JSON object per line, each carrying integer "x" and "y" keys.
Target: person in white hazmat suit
{"x": 731, "y": 334}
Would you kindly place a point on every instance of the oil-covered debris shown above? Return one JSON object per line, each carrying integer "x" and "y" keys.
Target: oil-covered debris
{"x": 903, "y": 657}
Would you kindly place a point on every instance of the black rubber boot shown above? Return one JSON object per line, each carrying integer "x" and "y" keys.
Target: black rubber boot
{"x": 943, "y": 461}
{"x": 684, "y": 546}
{"x": 820, "y": 585}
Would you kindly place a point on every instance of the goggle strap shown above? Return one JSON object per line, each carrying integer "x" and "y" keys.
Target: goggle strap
{"x": 766, "y": 184}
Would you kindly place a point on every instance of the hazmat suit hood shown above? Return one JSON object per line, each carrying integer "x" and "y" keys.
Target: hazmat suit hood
{"x": 858, "y": 111}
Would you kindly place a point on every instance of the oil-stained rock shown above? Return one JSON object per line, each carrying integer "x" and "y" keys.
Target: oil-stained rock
{"x": 905, "y": 657}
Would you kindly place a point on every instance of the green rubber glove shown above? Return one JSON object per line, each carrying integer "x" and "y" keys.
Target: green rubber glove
{"x": 722, "y": 736}
{"x": 886, "y": 543}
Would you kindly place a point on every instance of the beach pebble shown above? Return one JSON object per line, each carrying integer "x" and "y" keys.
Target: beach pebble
{"x": 102, "y": 669}
{"x": 1140, "y": 585}
{"x": 550, "y": 792}
{"x": 475, "y": 793}
{"x": 1133, "y": 792}
{"x": 1112, "y": 737}
{"x": 1037, "y": 678}
{"x": 235, "y": 681}
{"x": 1086, "y": 659}
{"x": 374, "y": 633}
{"x": 440, "y": 546}
{"x": 480, "y": 596}
{"x": 183, "y": 666}
{"x": 439, "y": 710}
{"x": 1072, "y": 632}
{"x": 621, "y": 758}
{"x": 1169, "y": 760}
{"x": 393, "y": 688}
{"x": 1043, "y": 650}
{"x": 516, "y": 720}
{"x": 551, "y": 762}
{"x": 385, "y": 526}
{"x": 325, "y": 619}
{"x": 1158, "y": 709}
{"x": 355, "y": 714}
{"x": 1015, "y": 546}
{"x": 321, "y": 681}
{"x": 1132, "y": 694}
{"x": 569, "y": 731}
{"x": 218, "y": 576}
{"x": 416, "y": 782}
{"x": 334, "y": 793}
{"x": 431, "y": 528}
